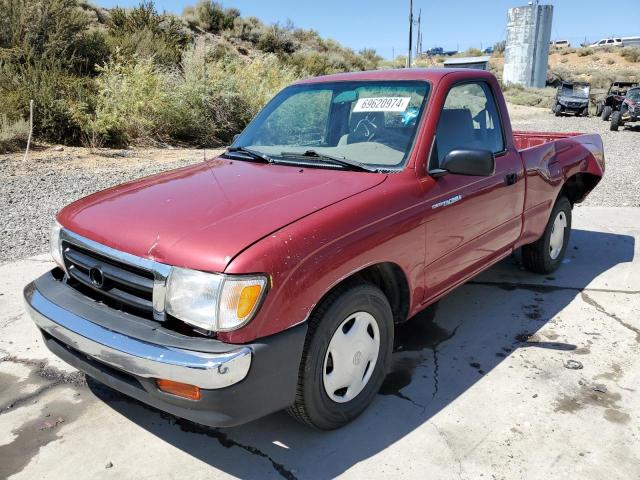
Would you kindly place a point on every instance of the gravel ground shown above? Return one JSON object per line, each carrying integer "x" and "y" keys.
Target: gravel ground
{"x": 31, "y": 192}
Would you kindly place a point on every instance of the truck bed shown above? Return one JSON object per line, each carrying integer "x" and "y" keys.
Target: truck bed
{"x": 524, "y": 140}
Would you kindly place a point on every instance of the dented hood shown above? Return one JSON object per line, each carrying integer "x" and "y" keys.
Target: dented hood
{"x": 202, "y": 216}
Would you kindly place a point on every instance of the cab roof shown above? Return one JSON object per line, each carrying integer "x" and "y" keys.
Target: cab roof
{"x": 433, "y": 75}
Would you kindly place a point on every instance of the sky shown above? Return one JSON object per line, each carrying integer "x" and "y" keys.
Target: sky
{"x": 453, "y": 25}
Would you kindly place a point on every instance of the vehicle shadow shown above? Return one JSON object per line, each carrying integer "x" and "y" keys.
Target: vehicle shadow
{"x": 439, "y": 355}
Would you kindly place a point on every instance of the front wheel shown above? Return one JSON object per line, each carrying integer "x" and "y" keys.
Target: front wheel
{"x": 546, "y": 254}
{"x": 606, "y": 112}
{"x": 557, "y": 109}
{"x": 616, "y": 121}
{"x": 346, "y": 356}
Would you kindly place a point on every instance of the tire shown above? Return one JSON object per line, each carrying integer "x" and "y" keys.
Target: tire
{"x": 606, "y": 112}
{"x": 357, "y": 304}
{"x": 616, "y": 121}
{"x": 598, "y": 109}
{"x": 557, "y": 109}
{"x": 584, "y": 112}
{"x": 538, "y": 256}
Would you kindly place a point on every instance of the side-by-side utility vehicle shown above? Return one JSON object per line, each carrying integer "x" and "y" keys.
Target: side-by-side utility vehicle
{"x": 572, "y": 98}
{"x": 629, "y": 110}
{"x": 271, "y": 277}
{"x": 612, "y": 101}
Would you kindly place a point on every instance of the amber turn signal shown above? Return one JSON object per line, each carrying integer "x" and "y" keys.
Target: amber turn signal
{"x": 249, "y": 296}
{"x": 183, "y": 390}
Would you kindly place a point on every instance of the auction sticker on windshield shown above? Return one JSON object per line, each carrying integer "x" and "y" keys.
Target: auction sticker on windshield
{"x": 382, "y": 104}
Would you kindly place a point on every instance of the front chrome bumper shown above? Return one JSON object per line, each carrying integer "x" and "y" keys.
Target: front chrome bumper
{"x": 135, "y": 356}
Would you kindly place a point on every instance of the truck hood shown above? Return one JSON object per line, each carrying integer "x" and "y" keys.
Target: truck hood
{"x": 202, "y": 216}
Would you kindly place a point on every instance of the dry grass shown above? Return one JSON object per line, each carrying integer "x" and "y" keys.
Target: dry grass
{"x": 13, "y": 135}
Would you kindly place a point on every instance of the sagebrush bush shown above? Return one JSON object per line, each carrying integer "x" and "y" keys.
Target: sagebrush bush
{"x": 631, "y": 54}
{"x": 533, "y": 97}
{"x": 584, "y": 52}
{"x": 204, "y": 102}
{"x": 211, "y": 16}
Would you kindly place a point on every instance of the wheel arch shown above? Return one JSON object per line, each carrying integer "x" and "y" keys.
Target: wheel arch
{"x": 577, "y": 186}
{"x": 390, "y": 279}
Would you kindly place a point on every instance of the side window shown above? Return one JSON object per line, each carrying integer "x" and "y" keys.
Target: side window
{"x": 468, "y": 121}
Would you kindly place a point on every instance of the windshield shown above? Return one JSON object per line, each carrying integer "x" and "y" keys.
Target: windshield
{"x": 581, "y": 91}
{"x": 368, "y": 123}
{"x": 634, "y": 95}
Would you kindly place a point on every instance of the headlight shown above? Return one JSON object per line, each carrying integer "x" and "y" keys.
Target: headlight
{"x": 212, "y": 301}
{"x": 56, "y": 244}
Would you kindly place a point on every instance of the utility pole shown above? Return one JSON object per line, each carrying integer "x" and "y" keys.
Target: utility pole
{"x": 410, "y": 33}
{"x": 419, "y": 39}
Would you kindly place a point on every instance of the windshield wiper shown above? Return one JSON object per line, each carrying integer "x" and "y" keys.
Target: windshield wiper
{"x": 251, "y": 153}
{"x": 342, "y": 161}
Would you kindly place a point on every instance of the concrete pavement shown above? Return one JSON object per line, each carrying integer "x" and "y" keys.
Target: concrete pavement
{"x": 479, "y": 389}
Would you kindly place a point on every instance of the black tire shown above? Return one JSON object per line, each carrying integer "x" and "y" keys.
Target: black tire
{"x": 557, "y": 109}
{"x": 536, "y": 256}
{"x": 312, "y": 405}
{"x": 584, "y": 112}
{"x": 616, "y": 121}
{"x": 606, "y": 112}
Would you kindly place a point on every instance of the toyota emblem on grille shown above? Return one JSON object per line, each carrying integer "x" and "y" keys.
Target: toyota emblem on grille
{"x": 97, "y": 277}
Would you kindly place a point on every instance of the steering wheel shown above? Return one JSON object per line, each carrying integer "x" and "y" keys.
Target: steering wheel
{"x": 366, "y": 129}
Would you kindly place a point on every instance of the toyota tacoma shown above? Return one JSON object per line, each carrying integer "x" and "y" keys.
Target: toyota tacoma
{"x": 271, "y": 277}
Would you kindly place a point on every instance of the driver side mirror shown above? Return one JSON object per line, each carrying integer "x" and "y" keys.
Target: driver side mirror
{"x": 480, "y": 163}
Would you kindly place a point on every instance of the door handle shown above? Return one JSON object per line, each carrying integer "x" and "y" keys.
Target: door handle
{"x": 510, "y": 178}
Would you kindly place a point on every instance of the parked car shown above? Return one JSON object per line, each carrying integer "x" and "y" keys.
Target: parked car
{"x": 572, "y": 97}
{"x": 608, "y": 42}
{"x": 629, "y": 111}
{"x": 271, "y": 277}
{"x": 560, "y": 44}
{"x": 613, "y": 99}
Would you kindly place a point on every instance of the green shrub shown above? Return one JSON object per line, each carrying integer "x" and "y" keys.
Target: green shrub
{"x": 595, "y": 58}
{"x": 144, "y": 33}
{"x": 610, "y": 61}
{"x": 584, "y": 52}
{"x": 56, "y": 94}
{"x": 13, "y": 135}
{"x": 55, "y": 30}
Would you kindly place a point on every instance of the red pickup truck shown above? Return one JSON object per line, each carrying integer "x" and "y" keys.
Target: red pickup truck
{"x": 271, "y": 277}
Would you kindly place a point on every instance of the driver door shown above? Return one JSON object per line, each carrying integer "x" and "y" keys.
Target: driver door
{"x": 471, "y": 220}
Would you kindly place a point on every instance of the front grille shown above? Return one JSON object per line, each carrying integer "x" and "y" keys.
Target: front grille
{"x": 126, "y": 286}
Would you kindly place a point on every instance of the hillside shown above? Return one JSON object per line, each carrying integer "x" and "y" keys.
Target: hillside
{"x": 116, "y": 77}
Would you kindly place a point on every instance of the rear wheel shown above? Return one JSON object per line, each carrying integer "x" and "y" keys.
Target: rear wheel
{"x": 606, "y": 112}
{"x": 616, "y": 121}
{"x": 346, "y": 356}
{"x": 546, "y": 254}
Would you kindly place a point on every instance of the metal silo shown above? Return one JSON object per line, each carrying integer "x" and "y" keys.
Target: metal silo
{"x": 527, "y": 48}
